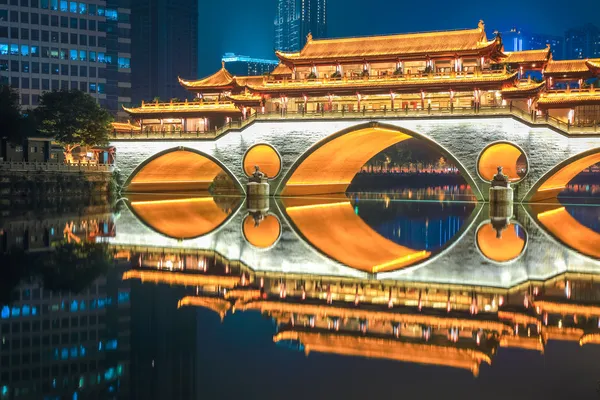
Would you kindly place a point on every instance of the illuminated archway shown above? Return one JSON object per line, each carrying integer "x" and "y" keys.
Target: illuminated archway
{"x": 331, "y": 226}
{"x": 265, "y": 157}
{"x": 503, "y": 243}
{"x": 554, "y": 181}
{"x": 183, "y": 218}
{"x": 175, "y": 170}
{"x": 559, "y": 223}
{"x": 507, "y": 155}
{"x": 330, "y": 165}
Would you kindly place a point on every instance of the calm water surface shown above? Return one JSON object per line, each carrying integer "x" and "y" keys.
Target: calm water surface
{"x": 417, "y": 292}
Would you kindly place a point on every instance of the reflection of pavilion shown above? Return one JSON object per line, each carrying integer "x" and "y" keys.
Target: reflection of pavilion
{"x": 456, "y": 326}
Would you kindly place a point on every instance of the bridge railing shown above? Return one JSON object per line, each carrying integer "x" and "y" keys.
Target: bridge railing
{"x": 399, "y": 113}
{"x": 50, "y": 166}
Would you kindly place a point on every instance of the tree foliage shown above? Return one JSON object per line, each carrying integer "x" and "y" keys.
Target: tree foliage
{"x": 73, "y": 118}
{"x": 10, "y": 116}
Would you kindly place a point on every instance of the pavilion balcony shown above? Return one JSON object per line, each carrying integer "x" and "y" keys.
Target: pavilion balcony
{"x": 391, "y": 77}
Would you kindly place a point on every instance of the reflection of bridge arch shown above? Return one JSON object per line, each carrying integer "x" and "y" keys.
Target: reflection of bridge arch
{"x": 182, "y": 218}
{"x": 331, "y": 226}
{"x": 555, "y": 180}
{"x": 501, "y": 244}
{"x": 177, "y": 169}
{"x": 557, "y": 221}
{"x": 330, "y": 165}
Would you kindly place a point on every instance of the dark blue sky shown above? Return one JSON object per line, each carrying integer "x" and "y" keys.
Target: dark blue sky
{"x": 246, "y": 27}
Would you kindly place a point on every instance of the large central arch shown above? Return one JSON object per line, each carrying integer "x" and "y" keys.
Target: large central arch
{"x": 555, "y": 180}
{"x": 330, "y": 165}
{"x": 177, "y": 169}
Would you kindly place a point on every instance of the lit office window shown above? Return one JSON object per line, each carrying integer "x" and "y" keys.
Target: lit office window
{"x": 64, "y": 6}
{"x": 73, "y": 7}
{"x": 24, "y": 50}
{"x": 124, "y": 62}
{"x": 82, "y": 55}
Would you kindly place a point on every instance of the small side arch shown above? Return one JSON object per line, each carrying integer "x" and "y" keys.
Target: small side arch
{"x": 177, "y": 169}
{"x": 555, "y": 180}
{"x": 330, "y": 164}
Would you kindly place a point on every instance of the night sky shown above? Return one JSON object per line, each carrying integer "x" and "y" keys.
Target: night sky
{"x": 246, "y": 27}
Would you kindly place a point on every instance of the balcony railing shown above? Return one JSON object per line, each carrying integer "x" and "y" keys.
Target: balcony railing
{"x": 397, "y": 113}
{"x": 50, "y": 166}
{"x": 478, "y": 73}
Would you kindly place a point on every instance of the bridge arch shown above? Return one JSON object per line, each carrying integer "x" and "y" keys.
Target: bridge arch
{"x": 555, "y": 180}
{"x": 177, "y": 169}
{"x": 330, "y": 164}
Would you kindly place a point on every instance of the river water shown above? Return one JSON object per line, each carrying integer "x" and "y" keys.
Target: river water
{"x": 415, "y": 292}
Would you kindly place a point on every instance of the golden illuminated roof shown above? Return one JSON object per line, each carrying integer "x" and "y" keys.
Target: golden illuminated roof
{"x": 249, "y": 80}
{"x": 390, "y": 349}
{"x": 281, "y": 69}
{"x": 393, "y": 315}
{"x": 392, "y": 45}
{"x": 245, "y": 97}
{"x": 216, "y": 304}
{"x": 184, "y": 107}
{"x": 388, "y": 82}
{"x": 524, "y": 87}
{"x": 527, "y": 56}
{"x": 588, "y": 97}
{"x": 181, "y": 278}
{"x": 221, "y": 79}
{"x": 594, "y": 63}
{"x": 553, "y": 307}
{"x": 125, "y": 126}
{"x": 523, "y": 342}
{"x": 590, "y": 337}
{"x": 569, "y": 66}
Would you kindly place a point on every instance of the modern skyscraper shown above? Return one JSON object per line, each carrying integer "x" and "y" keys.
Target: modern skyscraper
{"x": 244, "y": 65}
{"x": 582, "y": 42}
{"x": 540, "y": 40}
{"x": 165, "y": 46}
{"x": 51, "y": 44}
{"x": 295, "y": 19}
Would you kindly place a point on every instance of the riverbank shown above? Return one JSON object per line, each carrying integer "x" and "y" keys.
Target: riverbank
{"x": 39, "y": 184}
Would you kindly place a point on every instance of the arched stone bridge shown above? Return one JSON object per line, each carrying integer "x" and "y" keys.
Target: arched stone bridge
{"x": 322, "y": 156}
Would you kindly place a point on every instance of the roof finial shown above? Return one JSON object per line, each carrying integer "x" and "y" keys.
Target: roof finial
{"x": 309, "y": 37}
{"x": 481, "y": 25}
{"x": 222, "y": 64}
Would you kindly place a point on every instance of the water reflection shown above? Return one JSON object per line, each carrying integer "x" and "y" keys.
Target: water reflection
{"x": 357, "y": 279}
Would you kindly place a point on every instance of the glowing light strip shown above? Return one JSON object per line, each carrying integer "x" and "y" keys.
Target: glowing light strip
{"x": 312, "y": 206}
{"x": 551, "y": 212}
{"x": 174, "y": 278}
{"x": 401, "y": 260}
{"x": 192, "y": 200}
{"x": 551, "y": 188}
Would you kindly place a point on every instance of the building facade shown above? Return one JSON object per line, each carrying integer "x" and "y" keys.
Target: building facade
{"x": 59, "y": 45}
{"x": 516, "y": 39}
{"x": 582, "y": 42}
{"x": 248, "y": 66}
{"x": 296, "y": 19}
{"x": 165, "y": 46}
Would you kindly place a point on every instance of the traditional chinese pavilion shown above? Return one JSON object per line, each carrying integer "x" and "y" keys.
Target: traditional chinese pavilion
{"x": 431, "y": 70}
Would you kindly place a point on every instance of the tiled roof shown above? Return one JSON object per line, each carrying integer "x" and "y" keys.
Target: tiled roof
{"x": 566, "y": 66}
{"x": 392, "y": 45}
{"x": 281, "y": 69}
{"x": 529, "y": 56}
{"x": 570, "y": 98}
{"x": 221, "y": 78}
{"x": 157, "y": 108}
{"x": 527, "y": 87}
